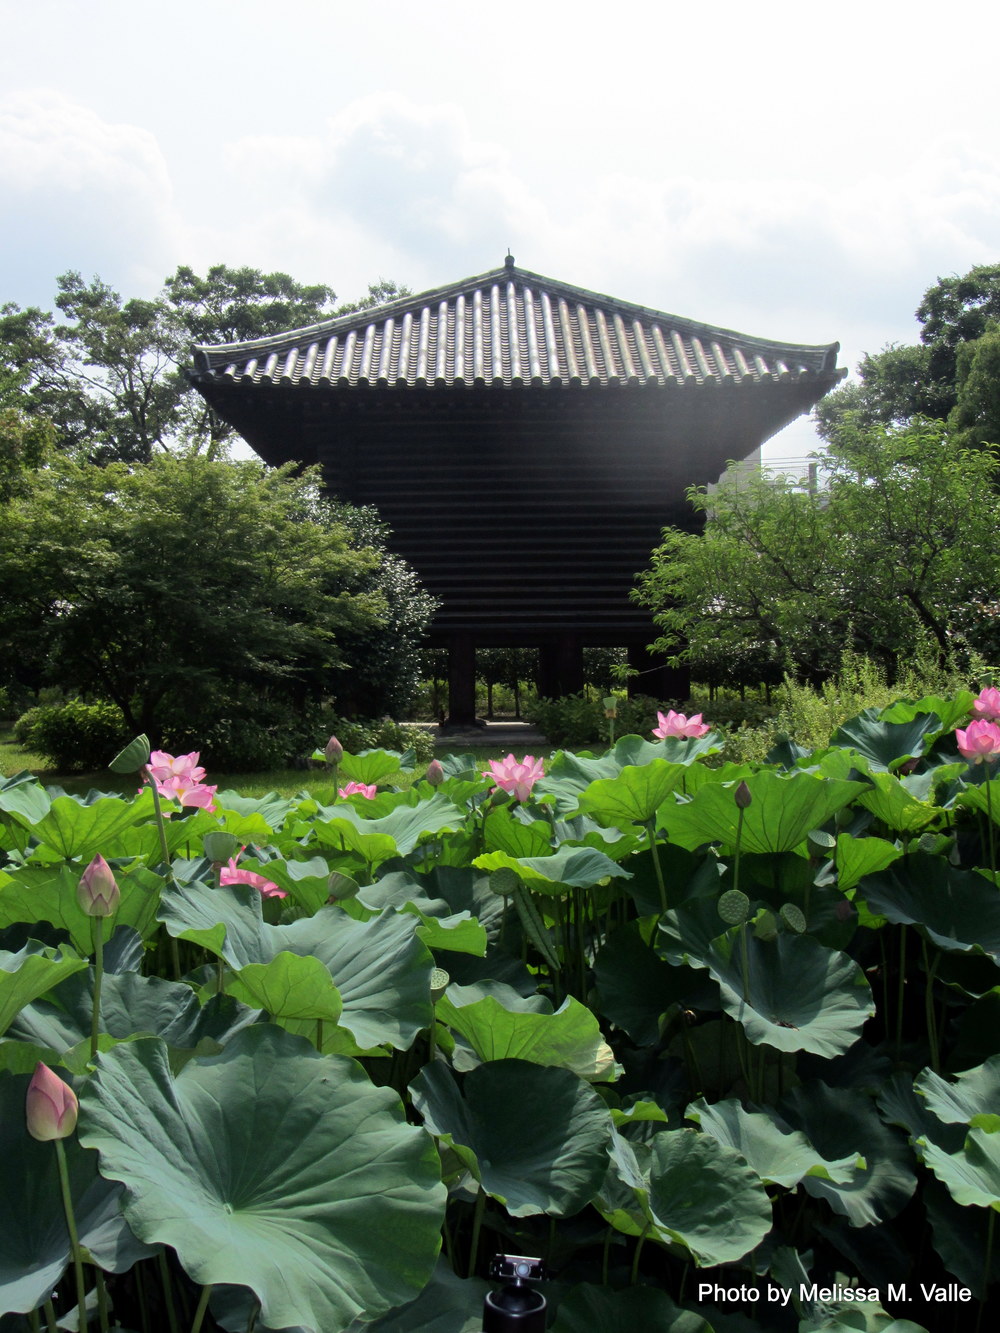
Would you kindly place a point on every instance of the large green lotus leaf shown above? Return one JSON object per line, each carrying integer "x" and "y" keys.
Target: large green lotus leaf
{"x": 48, "y": 893}
{"x": 842, "y": 1121}
{"x": 405, "y": 826}
{"x": 34, "y": 1241}
{"x": 536, "y": 1137}
{"x": 961, "y": 1236}
{"x": 784, "y": 808}
{"x": 272, "y": 1167}
{"x": 24, "y": 796}
{"x": 78, "y": 831}
{"x": 569, "y": 774}
{"x": 570, "y": 1038}
{"x": 949, "y": 711}
{"x": 857, "y": 857}
{"x": 380, "y": 967}
{"x": 633, "y": 795}
{"x": 636, "y": 989}
{"x": 143, "y": 840}
{"x": 131, "y": 1005}
{"x": 29, "y": 973}
{"x": 290, "y": 986}
{"x": 371, "y": 765}
{"x": 440, "y": 927}
{"x": 228, "y": 921}
{"x": 974, "y": 1092}
{"x": 981, "y": 796}
{"x": 887, "y": 744}
{"x": 586, "y": 1308}
{"x": 779, "y": 1155}
{"x": 448, "y": 1304}
{"x": 506, "y": 833}
{"x": 800, "y": 996}
{"x": 567, "y": 867}
{"x": 958, "y": 909}
{"x": 691, "y": 1191}
{"x": 307, "y": 882}
{"x": 898, "y": 808}
{"x": 271, "y": 807}
{"x": 972, "y": 1175}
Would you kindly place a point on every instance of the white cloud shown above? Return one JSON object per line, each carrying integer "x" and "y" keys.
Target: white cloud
{"x": 80, "y": 192}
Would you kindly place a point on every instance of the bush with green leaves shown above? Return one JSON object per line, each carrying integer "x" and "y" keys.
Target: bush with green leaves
{"x": 684, "y": 1027}
{"x": 73, "y": 736}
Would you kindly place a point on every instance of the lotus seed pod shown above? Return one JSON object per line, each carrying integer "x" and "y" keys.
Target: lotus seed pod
{"x": 794, "y": 918}
{"x": 504, "y": 881}
{"x": 734, "y": 907}
{"x": 219, "y": 847}
{"x": 821, "y": 843}
{"x": 439, "y": 983}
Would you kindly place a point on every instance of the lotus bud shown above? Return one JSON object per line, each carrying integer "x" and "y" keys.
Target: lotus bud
{"x": 611, "y": 706}
{"x": 742, "y": 797}
{"x": 435, "y": 773}
{"x": 51, "y": 1106}
{"x": 97, "y": 892}
{"x": 334, "y": 752}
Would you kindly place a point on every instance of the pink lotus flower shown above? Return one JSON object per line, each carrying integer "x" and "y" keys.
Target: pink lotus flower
{"x": 231, "y": 874}
{"x": 188, "y": 792}
{"x": 676, "y": 724}
{"x": 165, "y": 766}
{"x": 987, "y": 705}
{"x": 979, "y": 742}
{"x": 97, "y": 892}
{"x": 50, "y": 1107}
{"x": 517, "y": 779}
{"x": 367, "y": 789}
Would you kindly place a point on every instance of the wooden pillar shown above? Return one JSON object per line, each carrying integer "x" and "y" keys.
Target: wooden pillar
{"x": 560, "y": 666}
{"x": 461, "y": 680}
{"x": 659, "y": 681}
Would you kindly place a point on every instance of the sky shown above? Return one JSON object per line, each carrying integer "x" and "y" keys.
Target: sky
{"x": 790, "y": 171}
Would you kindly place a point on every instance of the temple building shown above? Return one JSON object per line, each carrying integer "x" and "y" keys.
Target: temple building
{"x": 525, "y": 440}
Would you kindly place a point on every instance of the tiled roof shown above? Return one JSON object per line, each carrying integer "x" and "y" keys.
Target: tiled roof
{"x": 509, "y": 327}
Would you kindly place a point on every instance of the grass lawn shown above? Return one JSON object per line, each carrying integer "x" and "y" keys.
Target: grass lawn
{"x": 285, "y": 781}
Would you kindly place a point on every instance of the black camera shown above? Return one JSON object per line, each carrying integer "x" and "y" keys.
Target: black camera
{"x": 516, "y": 1307}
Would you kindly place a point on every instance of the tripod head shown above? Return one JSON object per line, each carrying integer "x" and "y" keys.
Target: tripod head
{"x": 516, "y": 1307}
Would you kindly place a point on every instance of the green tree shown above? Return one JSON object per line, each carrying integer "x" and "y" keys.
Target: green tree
{"x": 894, "y": 551}
{"x": 940, "y": 377}
{"x": 203, "y": 598}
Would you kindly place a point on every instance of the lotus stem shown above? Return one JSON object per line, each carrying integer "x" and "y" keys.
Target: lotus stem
{"x": 989, "y": 821}
{"x": 319, "y": 1035}
{"x": 987, "y": 1265}
{"x": 651, "y": 830}
{"x": 899, "y": 998}
{"x": 34, "y": 1321}
{"x": 74, "y": 1239}
{"x": 605, "y": 1254}
{"x": 634, "y": 1276}
{"x": 102, "y": 1299}
{"x": 477, "y": 1222}
{"x": 930, "y": 970}
{"x": 199, "y": 1314}
{"x": 50, "y": 1317}
{"x": 168, "y": 1292}
{"x": 97, "y": 927}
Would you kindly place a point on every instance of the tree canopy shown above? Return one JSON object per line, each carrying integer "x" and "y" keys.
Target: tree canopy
{"x": 897, "y": 550}
{"x": 216, "y": 604}
{"x": 950, "y": 375}
{"x": 108, "y": 372}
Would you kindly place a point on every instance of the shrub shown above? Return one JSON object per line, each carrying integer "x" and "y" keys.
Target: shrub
{"x": 357, "y": 734}
{"x": 74, "y": 735}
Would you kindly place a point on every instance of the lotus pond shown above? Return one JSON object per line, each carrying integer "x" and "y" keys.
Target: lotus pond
{"x": 719, "y": 1043}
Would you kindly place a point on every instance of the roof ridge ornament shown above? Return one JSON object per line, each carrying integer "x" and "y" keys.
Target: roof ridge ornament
{"x": 508, "y": 262}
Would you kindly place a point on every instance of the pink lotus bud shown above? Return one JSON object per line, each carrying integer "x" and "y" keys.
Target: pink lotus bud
{"x": 51, "y": 1106}
{"x": 435, "y": 773}
{"x": 742, "y": 797}
{"x": 98, "y": 893}
{"x": 334, "y": 751}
